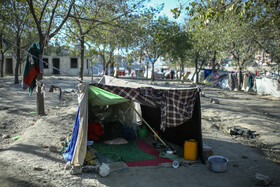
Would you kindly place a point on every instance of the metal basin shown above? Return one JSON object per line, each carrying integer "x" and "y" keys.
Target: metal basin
{"x": 217, "y": 164}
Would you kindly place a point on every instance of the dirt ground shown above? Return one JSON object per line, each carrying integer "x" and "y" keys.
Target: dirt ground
{"x": 28, "y": 161}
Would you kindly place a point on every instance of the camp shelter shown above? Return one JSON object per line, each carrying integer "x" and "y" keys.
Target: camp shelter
{"x": 174, "y": 112}
{"x": 268, "y": 86}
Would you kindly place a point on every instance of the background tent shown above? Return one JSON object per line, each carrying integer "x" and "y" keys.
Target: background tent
{"x": 267, "y": 86}
{"x": 176, "y": 112}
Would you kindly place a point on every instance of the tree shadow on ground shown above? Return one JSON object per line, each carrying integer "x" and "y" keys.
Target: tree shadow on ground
{"x": 34, "y": 150}
{"x": 16, "y": 182}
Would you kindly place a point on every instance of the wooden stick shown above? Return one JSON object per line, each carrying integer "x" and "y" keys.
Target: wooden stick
{"x": 148, "y": 125}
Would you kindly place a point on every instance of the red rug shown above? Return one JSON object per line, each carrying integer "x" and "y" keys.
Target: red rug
{"x": 151, "y": 150}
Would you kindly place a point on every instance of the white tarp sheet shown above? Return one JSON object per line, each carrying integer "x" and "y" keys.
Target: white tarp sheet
{"x": 267, "y": 86}
{"x": 81, "y": 144}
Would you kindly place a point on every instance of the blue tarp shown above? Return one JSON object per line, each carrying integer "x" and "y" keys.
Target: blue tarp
{"x": 68, "y": 155}
{"x": 207, "y": 72}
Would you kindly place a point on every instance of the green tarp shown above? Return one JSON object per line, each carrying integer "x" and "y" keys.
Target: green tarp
{"x": 100, "y": 97}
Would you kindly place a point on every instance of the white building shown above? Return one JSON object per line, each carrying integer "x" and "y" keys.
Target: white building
{"x": 64, "y": 65}
{"x": 53, "y": 65}
{"x": 10, "y": 65}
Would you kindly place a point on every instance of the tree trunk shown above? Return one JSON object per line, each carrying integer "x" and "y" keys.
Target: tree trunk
{"x": 82, "y": 57}
{"x": 40, "y": 96}
{"x": 214, "y": 62}
{"x": 112, "y": 69}
{"x": 106, "y": 69}
{"x": 239, "y": 82}
{"x": 153, "y": 73}
{"x": 2, "y": 63}
{"x": 202, "y": 63}
{"x": 18, "y": 59}
{"x": 2, "y": 57}
{"x": 107, "y": 66}
{"x": 91, "y": 71}
{"x": 196, "y": 66}
{"x": 147, "y": 70}
{"x": 263, "y": 57}
{"x": 182, "y": 72}
{"x": 40, "y": 100}
{"x": 129, "y": 70}
{"x": 103, "y": 64}
{"x": 141, "y": 53}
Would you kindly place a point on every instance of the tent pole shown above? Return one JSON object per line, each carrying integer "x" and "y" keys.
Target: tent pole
{"x": 148, "y": 125}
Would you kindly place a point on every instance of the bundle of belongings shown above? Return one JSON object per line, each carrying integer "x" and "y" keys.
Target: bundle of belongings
{"x": 110, "y": 113}
{"x": 95, "y": 130}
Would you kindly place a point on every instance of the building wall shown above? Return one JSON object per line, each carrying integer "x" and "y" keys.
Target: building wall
{"x": 10, "y": 65}
{"x": 262, "y": 57}
{"x": 65, "y": 66}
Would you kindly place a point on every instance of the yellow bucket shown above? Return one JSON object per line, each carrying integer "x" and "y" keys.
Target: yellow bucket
{"x": 190, "y": 150}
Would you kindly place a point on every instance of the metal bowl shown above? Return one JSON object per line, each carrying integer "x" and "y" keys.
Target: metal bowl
{"x": 217, "y": 163}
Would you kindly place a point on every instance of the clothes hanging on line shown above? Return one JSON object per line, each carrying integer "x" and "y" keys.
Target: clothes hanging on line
{"x": 33, "y": 66}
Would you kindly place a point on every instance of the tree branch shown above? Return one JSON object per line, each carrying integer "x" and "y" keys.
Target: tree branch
{"x": 77, "y": 21}
{"x": 94, "y": 20}
{"x": 51, "y": 19}
{"x": 65, "y": 19}
{"x": 234, "y": 55}
{"x": 92, "y": 27}
{"x": 42, "y": 13}
{"x": 32, "y": 11}
{"x": 102, "y": 23}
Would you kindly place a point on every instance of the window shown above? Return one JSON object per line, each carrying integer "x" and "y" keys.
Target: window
{"x": 46, "y": 63}
{"x": 87, "y": 63}
{"x": 74, "y": 63}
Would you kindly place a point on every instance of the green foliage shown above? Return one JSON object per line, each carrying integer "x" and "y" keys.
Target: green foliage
{"x": 178, "y": 47}
{"x": 58, "y": 50}
{"x": 236, "y": 28}
{"x": 15, "y": 29}
{"x": 105, "y": 26}
{"x": 176, "y": 12}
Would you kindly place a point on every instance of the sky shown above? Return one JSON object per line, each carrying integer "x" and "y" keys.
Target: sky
{"x": 168, "y": 5}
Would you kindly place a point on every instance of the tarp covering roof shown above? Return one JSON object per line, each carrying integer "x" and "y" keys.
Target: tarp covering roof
{"x": 100, "y": 97}
{"x": 176, "y": 105}
{"x": 108, "y": 80}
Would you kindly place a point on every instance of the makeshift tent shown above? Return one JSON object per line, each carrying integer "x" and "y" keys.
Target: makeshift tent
{"x": 174, "y": 112}
{"x": 267, "y": 86}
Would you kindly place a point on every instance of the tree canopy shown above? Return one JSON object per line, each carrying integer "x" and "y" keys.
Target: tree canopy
{"x": 214, "y": 30}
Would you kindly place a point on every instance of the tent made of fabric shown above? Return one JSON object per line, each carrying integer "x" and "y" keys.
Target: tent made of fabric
{"x": 207, "y": 72}
{"x": 100, "y": 97}
{"x": 174, "y": 112}
{"x": 267, "y": 86}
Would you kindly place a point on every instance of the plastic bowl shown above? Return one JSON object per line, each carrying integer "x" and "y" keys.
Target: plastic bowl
{"x": 218, "y": 164}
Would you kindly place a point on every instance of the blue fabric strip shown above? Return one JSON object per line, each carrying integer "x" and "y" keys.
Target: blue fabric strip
{"x": 68, "y": 155}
